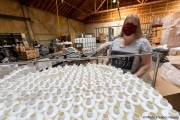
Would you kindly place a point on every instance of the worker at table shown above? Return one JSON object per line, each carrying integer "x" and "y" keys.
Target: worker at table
{"x": 131, "y": 41}
{"x": 36, "y": 44}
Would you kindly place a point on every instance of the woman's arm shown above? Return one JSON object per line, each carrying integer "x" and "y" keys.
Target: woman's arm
{"x": 144, "y": 66}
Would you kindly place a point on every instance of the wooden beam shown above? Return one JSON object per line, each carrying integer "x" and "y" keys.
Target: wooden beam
{"x": 131, "y": 6}
{"x": 101, "y": 5}
{"x": 94, "y": 5}
{"x": 74, "y": 7}
{"x": 89, "y": 10}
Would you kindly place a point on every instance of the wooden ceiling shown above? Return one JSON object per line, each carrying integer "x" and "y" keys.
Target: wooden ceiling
{"x": 80, "y": 10}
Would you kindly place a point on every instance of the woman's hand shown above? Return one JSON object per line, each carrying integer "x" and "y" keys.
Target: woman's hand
{"x": 145, "y": 65}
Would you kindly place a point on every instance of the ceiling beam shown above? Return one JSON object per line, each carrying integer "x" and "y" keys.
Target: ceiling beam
{"x": 131, "y": 6}
{"x": 100, "y": 5}
{"x": 74, "y": 7}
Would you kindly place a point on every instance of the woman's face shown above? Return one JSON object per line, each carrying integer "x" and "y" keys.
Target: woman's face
{"x": 131, "y": 20}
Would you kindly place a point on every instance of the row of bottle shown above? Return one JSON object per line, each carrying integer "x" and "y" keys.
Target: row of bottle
{"x": 67, "y": 110}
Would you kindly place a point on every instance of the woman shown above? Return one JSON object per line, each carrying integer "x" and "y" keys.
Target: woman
{"x": 131, "y": 41}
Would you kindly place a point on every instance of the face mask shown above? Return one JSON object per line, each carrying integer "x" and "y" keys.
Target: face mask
{"x": 129, "y": 29}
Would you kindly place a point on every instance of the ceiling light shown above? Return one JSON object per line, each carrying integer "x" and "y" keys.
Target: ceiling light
{"x": 114, "y": 1}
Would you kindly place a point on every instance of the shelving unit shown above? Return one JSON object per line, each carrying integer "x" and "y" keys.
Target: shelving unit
{"x": 10, "y": 39}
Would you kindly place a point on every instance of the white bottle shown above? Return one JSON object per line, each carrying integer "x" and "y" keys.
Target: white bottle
{"x": 65, "y": 106}
{"x": 41, "y": 107}
{"x": 135, "y": 101}
{"x": 36, "y": 117}
{"x": 147, "y": 87}
{"x": 101, "y": 107}
{"x": 47, "y": 97}
{"x": 134, "y": 116}
{"x": 149, "y": 116}
{"x": 127, "y": 108}
{"x": 67, "y": 96}
{"x": 25, "y": 114}
{"x": 9, "y": 105}
{"x": 98, "y": 97}
{"x": 155, "y": 94}
{"x": 70, "y": 89}
{"x": 120, "y": 97}
{"x": 55, "y": 101}
{"x": 76, "y": 111}
{"x": 33, "y": 103}
{"x": 90, "y": 114}
{"x": 63, "y": 116}
{"x": 40, "y": 94}
{"x": 110, "y": 100}
{"x": 77, "y": 100}
{"x": 138, "y": 89}
{"x": 9, "y": 118}
{"x": 99, "y": 89}
{"x": 117, "y": 89}
{"x": 88, "y": 103}
{"x": 16, "y": 110}
{"x": 145, "y": 97}
{"x": 52, "y": 90}
{"x": 162, "y": 104}
{"x": 116, "y": 112}
{"x": 129, "y": 91}
{"x": 60, "y": 92}
{"x": 87, "y": 94}
{"x": 78, "y": 91}
{"x": 51, "y": 112}
{"x": 104, "y": 117}
{"x": 148, "y": 106}
{"x": 109, "y": 92}
{"x": 171, "y": 114}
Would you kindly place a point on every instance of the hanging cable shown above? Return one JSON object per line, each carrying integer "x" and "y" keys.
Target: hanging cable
{"x": 57, "y": 13}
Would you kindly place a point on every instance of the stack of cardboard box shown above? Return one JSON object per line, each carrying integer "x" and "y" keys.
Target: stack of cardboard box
{"x": 25, "y": 52}
{"x": 171, "y": 30}
{"x": 156, "y": 35}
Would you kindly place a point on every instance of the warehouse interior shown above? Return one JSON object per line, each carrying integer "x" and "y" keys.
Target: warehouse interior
{"x": 51, "y": 50}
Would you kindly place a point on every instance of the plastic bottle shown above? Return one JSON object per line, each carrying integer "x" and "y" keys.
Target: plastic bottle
{"x": 134, "y": 116}
{"x": 16, "y": 110}
{"x": 145, "y": 97}
{"x": 135, "y": 101}
{"x": 62, "y": 116}
{"x": 90, "y": 114}
{"x": 77, "y": 100}
{"x": 127, "y": 108}
{"x": 109, "y": 92}
{"x": 76, "y": 111}
{"x": 87, "y": 94}
{"x": 88, "y": 103}
{"x": 110, "y": 100}
{"x": 55, "y": 101}
{"x": 120, "y": 97}
{"x": 162, "y": 104}
{"x": 65, "y": 106}
{"x": 155, "y": 94}
{"x": 36, "y": 117}
{"x": 116, "y": 112}
{"x": 25, "y": 114}
{"x": 104, "y": 117}
{"x": 67, "y": 96}
{"x": 148, "y": 106}
{"x": 51, "y": 112}
{"x": 101, "y": 107}
{"x": 170, "y": 114}
{"x": 41, "y": 107}
{"x": 33, "y": 103}
{"x": 98, "y": 97}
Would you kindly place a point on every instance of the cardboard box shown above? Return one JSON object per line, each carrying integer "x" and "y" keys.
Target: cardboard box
{"x": 26, "y": 44}
{"x": 174, "y": 51}
{"x": 170, "y": 19}
{"x": 168, "y": 90}
{"x": 173, "y": 42}
{"x": 22, "y": 49}
{"x": 156, "y": 40}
